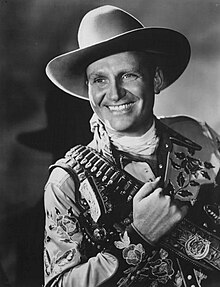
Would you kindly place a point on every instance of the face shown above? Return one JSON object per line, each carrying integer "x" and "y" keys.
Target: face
{"x": 121, "y": 92}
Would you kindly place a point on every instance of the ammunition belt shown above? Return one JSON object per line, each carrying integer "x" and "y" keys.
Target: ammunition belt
{"x": 117, "y": 188}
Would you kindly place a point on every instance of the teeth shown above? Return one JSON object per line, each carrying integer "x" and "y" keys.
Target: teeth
{"x": 119, "y": 107}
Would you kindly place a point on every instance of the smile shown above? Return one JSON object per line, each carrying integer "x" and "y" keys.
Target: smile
{"x": 120, "y": 108}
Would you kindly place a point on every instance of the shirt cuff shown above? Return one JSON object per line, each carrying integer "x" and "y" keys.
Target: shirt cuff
{"x": 137, "y": 237}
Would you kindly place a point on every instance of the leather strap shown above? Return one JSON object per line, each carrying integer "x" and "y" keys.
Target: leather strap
{"x": 116, "y": 189}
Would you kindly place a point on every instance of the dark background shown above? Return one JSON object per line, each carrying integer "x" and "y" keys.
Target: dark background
{"x": 31, "y": 33}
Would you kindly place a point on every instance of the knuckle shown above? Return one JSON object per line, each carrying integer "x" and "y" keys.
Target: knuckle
{"x": 178, "y": 215}
{"x": 148, "y": 186}
{"x": 175, "y": 211}
{"x": 159, "y": 190}
{"x": 135, "y": 199}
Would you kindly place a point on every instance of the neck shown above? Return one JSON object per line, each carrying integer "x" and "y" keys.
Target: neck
{"x": 132, "y": 132}
{"x": 143, "y": 145}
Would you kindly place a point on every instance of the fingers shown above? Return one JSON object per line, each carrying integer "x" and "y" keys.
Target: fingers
{"x": 179, "y": 209}
{"x": 184, "y": 207}
{"x": 146, "y": 189}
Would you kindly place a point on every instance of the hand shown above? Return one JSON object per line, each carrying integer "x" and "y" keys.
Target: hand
{"x": 155, "y": 214}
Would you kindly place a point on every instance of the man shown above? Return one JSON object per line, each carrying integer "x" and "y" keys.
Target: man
{"x": 139, "y": 205}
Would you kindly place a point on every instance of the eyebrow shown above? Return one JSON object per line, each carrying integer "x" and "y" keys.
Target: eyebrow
{"x": 134, "y": 70}
{"x": 123, "y": 71}
{"x": 95, "y": 74}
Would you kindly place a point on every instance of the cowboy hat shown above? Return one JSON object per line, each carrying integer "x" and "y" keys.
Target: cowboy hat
{"x": 109, "y": 30}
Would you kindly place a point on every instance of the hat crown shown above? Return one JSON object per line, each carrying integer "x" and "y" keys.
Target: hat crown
{"x": 104, "y": 23}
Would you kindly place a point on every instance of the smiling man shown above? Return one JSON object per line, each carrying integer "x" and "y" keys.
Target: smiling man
{"x": 138, "y": 206}
{"x": 121, "y": 91}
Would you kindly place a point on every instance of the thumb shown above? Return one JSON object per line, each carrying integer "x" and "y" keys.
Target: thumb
{"x": 146, "y": 189}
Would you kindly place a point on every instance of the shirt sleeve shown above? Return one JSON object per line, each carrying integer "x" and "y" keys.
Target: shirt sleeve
{"x": 214, "y": 137}
{"x": 65, "y": 260}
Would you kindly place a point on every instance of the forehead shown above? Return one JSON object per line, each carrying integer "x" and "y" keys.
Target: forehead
{"x": 120, "y": 61}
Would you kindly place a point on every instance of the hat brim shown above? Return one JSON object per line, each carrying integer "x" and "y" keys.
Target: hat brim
{"x": 170, "y": 49}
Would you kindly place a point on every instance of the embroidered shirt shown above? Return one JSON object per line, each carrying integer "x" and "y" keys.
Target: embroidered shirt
{"x": 130, "y": 261}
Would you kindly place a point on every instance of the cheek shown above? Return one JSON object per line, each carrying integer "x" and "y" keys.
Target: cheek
{"x": 139, "y": 89}
{"x": 95, "y": 108}
{"x": 94, "y": 104}
{"x": 95, "y": 96}
{"x": 92, "y": 101}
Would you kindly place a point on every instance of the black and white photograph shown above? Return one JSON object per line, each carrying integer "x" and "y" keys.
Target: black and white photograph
{"x": 110, "y": 143}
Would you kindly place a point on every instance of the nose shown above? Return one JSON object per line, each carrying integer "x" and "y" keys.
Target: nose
{"x": 116, "y": 91}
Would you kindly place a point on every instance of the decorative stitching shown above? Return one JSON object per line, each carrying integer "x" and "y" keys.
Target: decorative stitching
{"x": 65, "y": 225}
{"x": 133, "y": 254}
{"x": 154, "y": 272}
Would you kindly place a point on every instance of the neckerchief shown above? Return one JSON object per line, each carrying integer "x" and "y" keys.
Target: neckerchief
{"x": 142, "y": 147}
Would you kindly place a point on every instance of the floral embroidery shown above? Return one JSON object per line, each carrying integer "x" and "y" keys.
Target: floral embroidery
{"x": 47, "y": 267}
{"x": 66, "y": 225}
{"x": 189, "y": 172}
{"x": 56, "y": 263}
{"x": 154, "y": 272}
{"x": 133, "y": 254}
{"x": 199, "y": 276}
{"x": 63, "y": 260}
{"x": 190, "y": 166}
{"x": 178, "y": 279}
{"x": 163, "y": 268}
{"x": 61, "y": 227}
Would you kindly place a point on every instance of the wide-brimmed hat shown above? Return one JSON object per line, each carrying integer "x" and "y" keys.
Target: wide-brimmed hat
{"x": 108, "y": 30}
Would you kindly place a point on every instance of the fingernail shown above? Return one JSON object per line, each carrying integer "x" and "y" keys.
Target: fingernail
{"x": 157, "y": 179}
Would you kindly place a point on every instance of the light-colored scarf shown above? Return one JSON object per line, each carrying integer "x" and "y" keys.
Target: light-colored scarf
{"x": 143, "y": 146}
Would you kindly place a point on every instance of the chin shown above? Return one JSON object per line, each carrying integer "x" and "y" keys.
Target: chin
{"x": 120, "y": 127}
{"x": 123, "y": 130}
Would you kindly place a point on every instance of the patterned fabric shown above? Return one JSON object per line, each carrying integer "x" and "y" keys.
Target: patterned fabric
{"x": 101, "y": 139}
{"x": 70, "y": 257}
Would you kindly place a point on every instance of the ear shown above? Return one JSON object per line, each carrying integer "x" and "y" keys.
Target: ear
{"x": 158, "y": 80}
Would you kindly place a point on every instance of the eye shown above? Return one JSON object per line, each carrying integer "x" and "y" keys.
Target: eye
{"x": 129, "y": 77}
{"x": 99, "y": 81}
